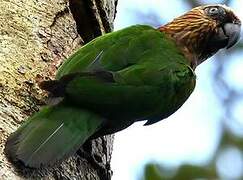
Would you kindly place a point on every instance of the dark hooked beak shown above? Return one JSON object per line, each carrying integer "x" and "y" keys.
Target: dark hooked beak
{"x": 232, "y": 31}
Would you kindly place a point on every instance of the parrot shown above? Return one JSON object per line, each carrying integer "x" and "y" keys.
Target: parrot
{"x": 139, "y": 73}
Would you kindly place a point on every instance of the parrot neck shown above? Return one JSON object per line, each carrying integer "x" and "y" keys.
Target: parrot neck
{"x": 192, "y": 34}
{"x": 193, "y": 51}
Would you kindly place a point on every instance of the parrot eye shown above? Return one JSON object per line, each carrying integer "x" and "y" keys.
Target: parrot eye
{"x": 213, "y": 11}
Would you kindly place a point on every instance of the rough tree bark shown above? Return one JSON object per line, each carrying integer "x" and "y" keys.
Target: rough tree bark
{"x": 35, "y": 36}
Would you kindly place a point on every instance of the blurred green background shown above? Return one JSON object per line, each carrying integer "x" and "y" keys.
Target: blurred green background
{"x": 204, "y": 140}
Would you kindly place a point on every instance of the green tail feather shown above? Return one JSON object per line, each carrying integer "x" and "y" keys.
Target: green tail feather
{"x": 52, "y": 134}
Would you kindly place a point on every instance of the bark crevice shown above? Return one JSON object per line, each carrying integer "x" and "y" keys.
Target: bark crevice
{"x": 95, "y": 15}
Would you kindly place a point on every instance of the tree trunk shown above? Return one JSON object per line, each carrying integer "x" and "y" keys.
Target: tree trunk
{"x": 35, "y": 36}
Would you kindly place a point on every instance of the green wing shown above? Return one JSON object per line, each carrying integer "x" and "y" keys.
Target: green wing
{"x": 135, "y": 93}
{"x": 120, "y": 49}
{"x": 147, "y": 71}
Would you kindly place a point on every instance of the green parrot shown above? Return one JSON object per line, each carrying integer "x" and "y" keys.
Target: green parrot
{"x": 134, "y": 74}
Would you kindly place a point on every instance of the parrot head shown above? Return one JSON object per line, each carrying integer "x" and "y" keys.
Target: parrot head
{"x": 202, "y": 31}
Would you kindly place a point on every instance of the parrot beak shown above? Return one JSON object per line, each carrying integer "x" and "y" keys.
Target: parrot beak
{"x": 232, "y": 31}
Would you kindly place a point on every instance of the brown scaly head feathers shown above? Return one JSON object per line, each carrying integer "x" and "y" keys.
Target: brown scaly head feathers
{"x": 201, "y": 32}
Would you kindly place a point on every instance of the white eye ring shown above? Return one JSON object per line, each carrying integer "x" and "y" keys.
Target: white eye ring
{"x": 213, "y": 10}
